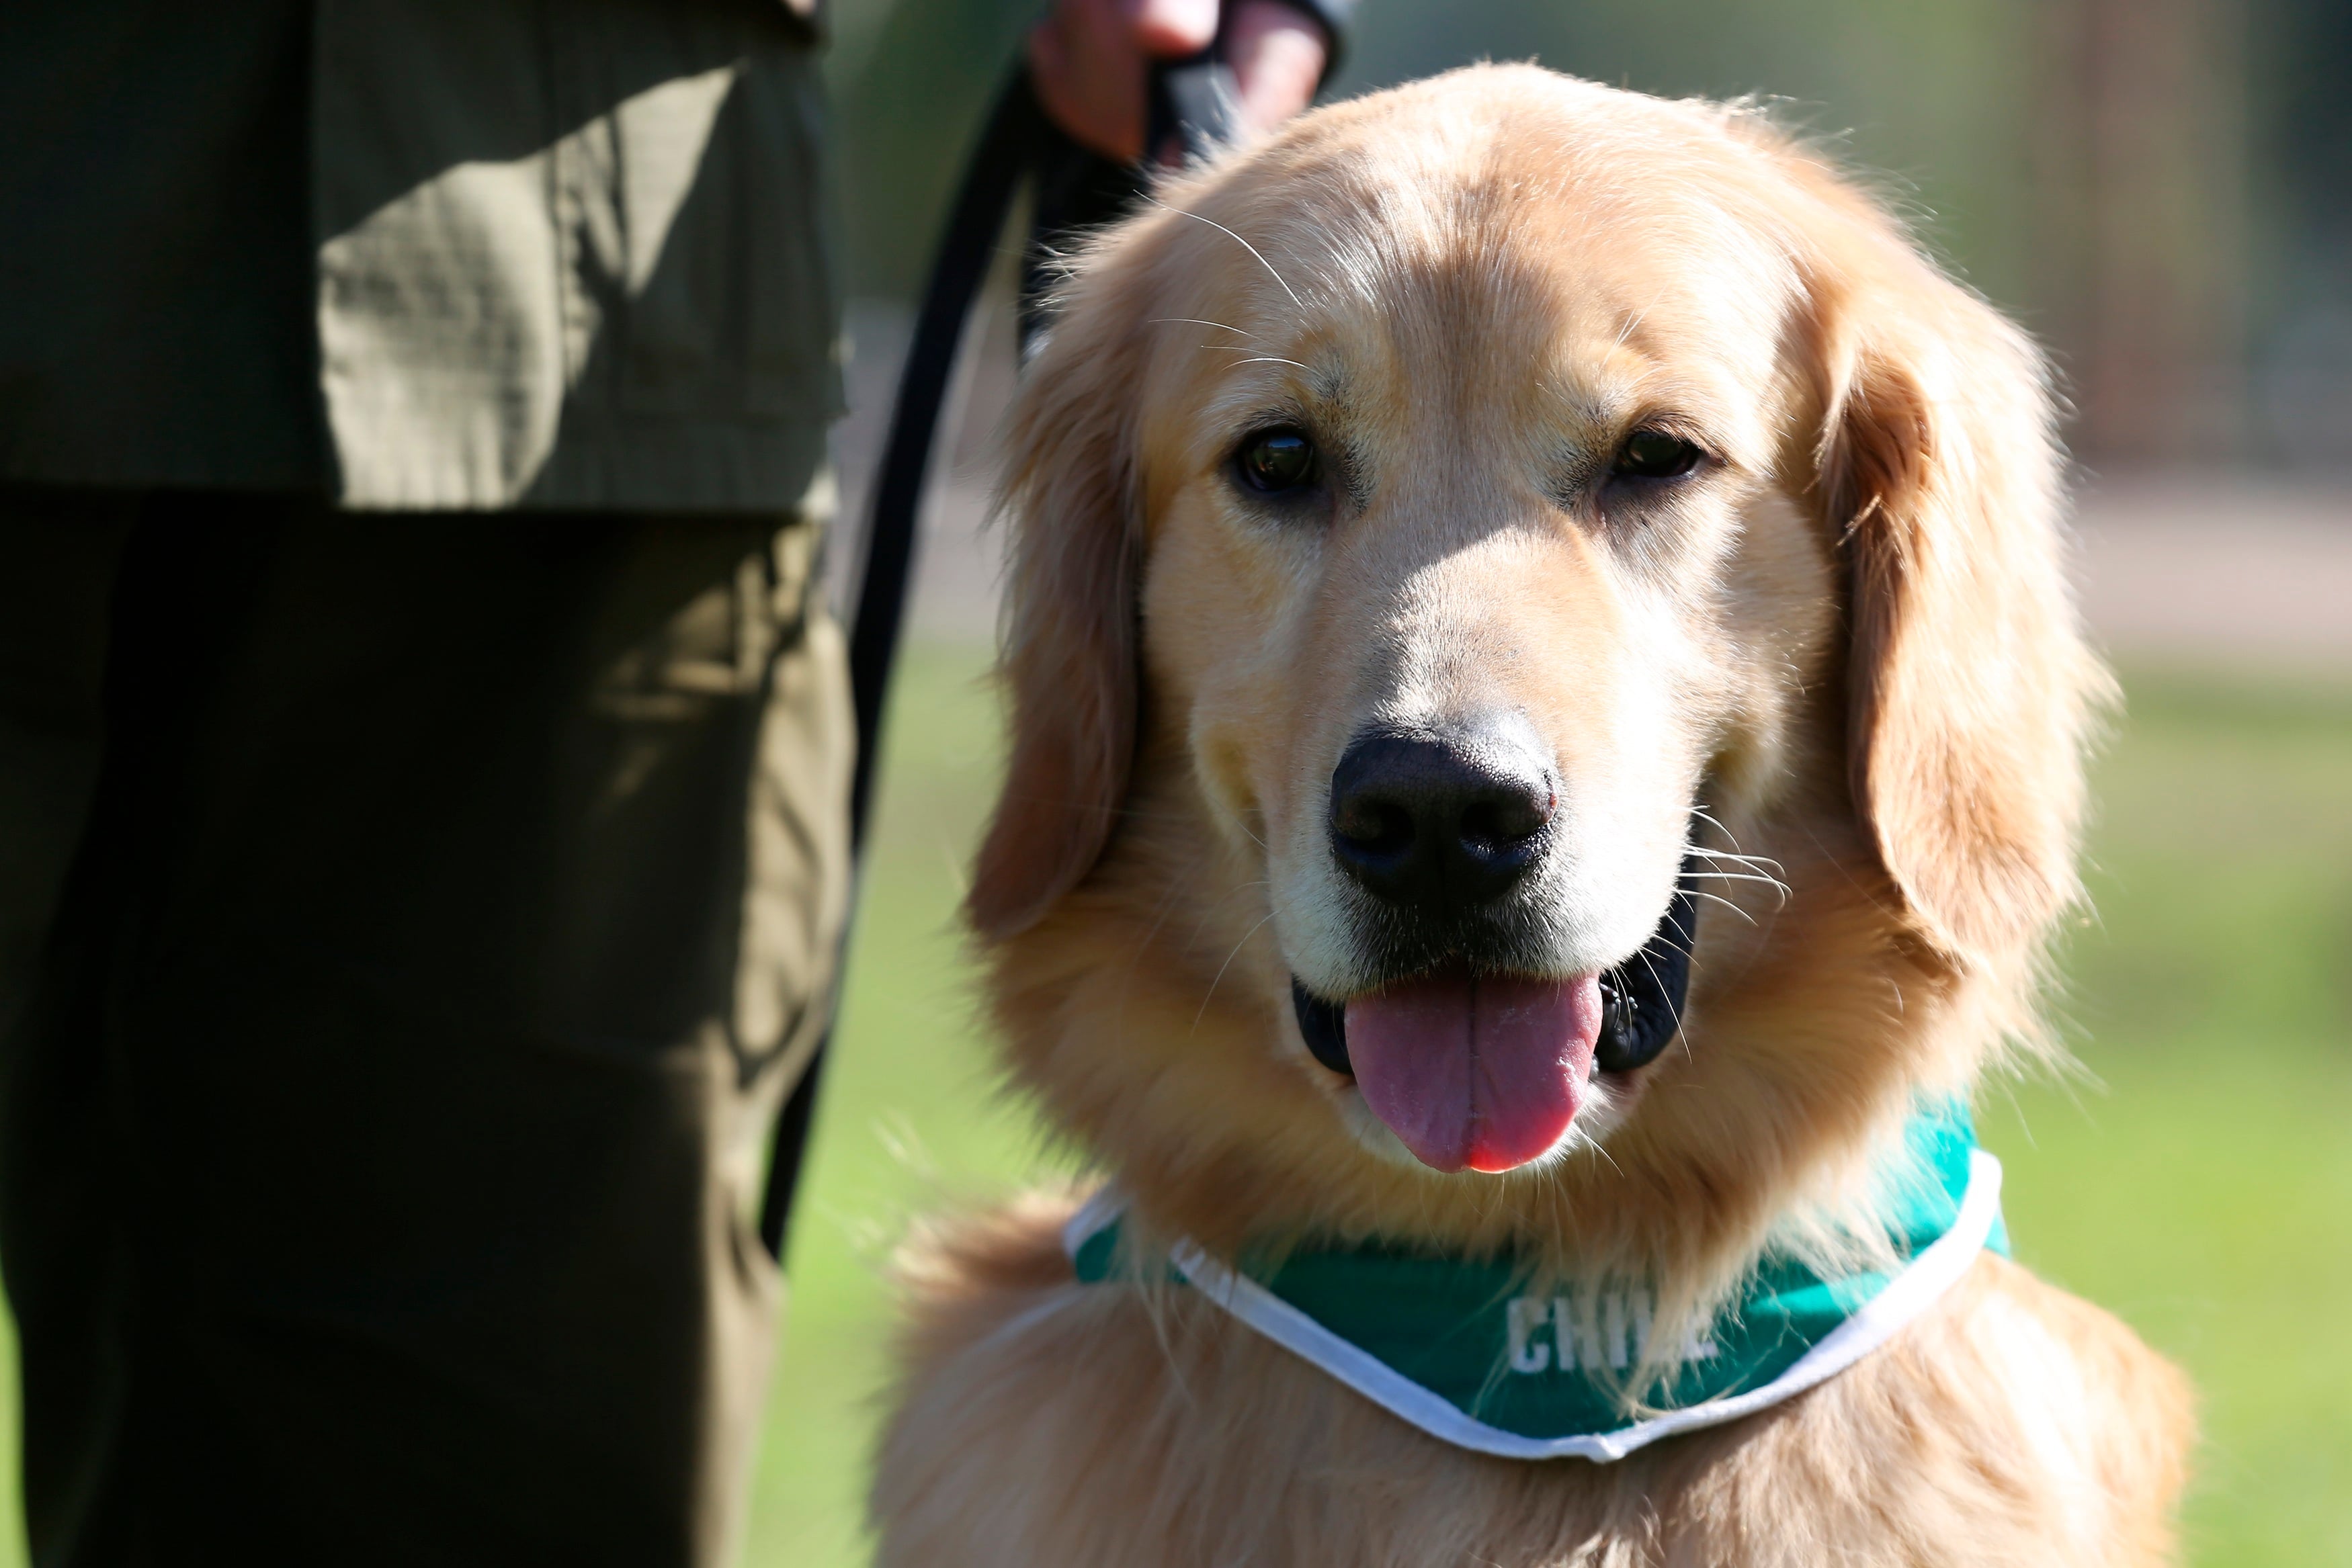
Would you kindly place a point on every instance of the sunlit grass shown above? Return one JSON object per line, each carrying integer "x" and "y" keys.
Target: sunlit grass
{"x": 2204, "y": 1190}
{"x": 909, "y": 1114}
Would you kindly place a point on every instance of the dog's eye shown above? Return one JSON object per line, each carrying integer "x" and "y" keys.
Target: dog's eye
{"x": 1276, "y": 460}
{"x": 1654, "y": 454}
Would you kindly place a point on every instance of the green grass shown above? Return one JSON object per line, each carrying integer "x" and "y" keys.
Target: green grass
{"x": 2200, "y": 1183}
{"x": 909, "y": 1114}
{"x": 2203, "y": 1188}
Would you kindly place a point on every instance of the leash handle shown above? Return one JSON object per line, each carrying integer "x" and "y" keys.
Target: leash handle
{"x": 1196, "y": 101}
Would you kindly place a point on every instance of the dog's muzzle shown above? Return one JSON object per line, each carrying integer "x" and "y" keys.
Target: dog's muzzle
{"x": 1440, "y": 828}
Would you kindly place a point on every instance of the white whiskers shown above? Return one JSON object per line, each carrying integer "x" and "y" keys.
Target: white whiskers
{"x": 1245, "y": 244}
{"x": 1196, "y": 321}
{"x": 1210, "y": 995}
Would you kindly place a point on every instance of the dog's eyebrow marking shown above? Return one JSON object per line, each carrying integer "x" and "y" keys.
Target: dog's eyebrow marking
{"x": 1237, "y": 239}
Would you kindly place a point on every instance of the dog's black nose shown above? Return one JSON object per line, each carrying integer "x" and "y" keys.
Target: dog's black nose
{"x": 1445, "y": 820}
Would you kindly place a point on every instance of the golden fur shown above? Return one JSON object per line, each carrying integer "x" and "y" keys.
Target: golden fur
{"x": 1847, "y": 634}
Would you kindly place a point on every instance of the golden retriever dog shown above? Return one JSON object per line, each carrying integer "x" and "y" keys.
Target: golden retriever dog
{"x": 1447, "y": 538}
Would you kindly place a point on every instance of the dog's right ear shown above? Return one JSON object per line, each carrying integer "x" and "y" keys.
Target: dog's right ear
{"x": 1067, "y": 659}
{"x": 1970, "y": 688}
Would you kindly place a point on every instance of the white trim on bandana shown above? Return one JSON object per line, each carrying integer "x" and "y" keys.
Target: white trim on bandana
{"x": 1935, "y": 1270}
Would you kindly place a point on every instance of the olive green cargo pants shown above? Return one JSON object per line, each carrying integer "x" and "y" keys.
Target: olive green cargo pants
{"x": 408, "y": 928}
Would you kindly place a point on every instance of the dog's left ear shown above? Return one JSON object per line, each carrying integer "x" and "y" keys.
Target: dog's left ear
{"x": 1067, "y": 660}
{"x": 1968, "y": 683}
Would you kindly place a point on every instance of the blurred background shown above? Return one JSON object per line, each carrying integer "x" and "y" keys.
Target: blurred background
{"x": 2161, "y": 190}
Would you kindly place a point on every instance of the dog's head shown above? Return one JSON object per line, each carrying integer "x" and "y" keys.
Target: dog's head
{"x": 1442, "y": 536}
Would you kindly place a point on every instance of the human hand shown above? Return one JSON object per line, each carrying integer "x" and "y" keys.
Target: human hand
{"x": 1090, "y": 62}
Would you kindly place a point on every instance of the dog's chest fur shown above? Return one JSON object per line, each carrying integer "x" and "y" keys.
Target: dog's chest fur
{"x": 2015, "y": 1424}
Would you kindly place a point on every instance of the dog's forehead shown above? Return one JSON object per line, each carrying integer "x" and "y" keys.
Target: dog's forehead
{"x": 1573, "y": 254}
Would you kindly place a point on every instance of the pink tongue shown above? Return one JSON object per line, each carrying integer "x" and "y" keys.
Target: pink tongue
{"x": 1483, "y": 1073}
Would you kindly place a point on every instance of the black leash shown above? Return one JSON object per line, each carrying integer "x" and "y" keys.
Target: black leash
{"x": 1015, "y": 131}
{"x": 1193, "y": 99}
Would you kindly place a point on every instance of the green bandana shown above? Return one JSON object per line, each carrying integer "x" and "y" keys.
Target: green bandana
{"x": 1455, "y": 1347}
